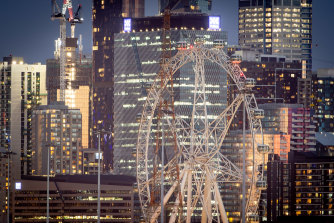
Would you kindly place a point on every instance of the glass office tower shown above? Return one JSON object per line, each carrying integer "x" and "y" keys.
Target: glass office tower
{"x": 281, "y": 27}
{"x": 129, "y": 94}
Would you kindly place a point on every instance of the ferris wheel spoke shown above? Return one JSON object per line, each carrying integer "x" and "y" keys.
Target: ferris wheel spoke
{"x": 220, "y": 126}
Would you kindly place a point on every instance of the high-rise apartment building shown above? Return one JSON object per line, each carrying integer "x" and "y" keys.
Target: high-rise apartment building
{"x": 22, "y": 89}
{"x": 323, "y": 99}
{"x": 137, "y": 55}
{"x": 107, "y": 20}
{"x": 300, "y": 190}
{"x": 56, "y": 131}
{"x": 203, "y": 6}
{"x": 282, "y": 27}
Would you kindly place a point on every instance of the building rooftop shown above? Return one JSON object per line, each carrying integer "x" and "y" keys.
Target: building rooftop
{"x": 325, "y": 72}
{"x": 120, "y": 180}
{"x": 58, "y": 105}
{"x": 279, "y": 105}
{"x": 325, "y": 138}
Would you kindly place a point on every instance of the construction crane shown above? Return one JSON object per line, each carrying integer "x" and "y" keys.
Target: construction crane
{"x": 58, "y": 14}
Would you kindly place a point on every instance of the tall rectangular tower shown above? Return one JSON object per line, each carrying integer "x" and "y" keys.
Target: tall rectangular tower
{"x": 107, "y": 20}
{"x": 281, "y": 27}
{"x": 137, "y": 63}
{"x": 22, "y": 89}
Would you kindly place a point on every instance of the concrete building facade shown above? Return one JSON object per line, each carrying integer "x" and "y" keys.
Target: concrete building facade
{"x": 22, "y": 89}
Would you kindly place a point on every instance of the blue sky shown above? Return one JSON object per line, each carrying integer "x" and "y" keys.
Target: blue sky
{"x": 28, "y": 31}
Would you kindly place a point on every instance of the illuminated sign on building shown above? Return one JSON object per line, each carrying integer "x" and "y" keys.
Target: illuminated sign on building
{"x": 97, "y": 155}
{"x": 127, "y": 25}
{"x": 18, "y": 185}
{"x": 214, "y": 22}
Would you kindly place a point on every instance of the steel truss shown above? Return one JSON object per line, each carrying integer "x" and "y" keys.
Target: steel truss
{"x": 201, "y": 164}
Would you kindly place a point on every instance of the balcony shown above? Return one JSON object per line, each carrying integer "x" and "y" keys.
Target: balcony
{"x": 310, "y": 149}
{"x": 297, "y": 120}
{"x": 311, "y": 143}
{"x": 310, "y": 126}
{"x": 297, "y": 132}
{"x": 297, "y": 115}
{"x": 296, "y": 143}
{"x": 297, "y": 126}
{"x": 296, "y": 149}
{"x": 297, "y": 137}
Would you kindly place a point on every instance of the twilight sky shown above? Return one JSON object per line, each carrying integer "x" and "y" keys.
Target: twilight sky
{"x": 27, "y": 30}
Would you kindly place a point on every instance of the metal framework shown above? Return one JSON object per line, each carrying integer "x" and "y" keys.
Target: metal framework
{"x": 198, "y": 160}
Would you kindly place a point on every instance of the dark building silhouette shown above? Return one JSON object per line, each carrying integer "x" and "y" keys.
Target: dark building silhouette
{"x": 107, "y": 20}
{"x": 323, "y": 99}
{"x": 203, "y": 6}
{"x": 300, "y": 189}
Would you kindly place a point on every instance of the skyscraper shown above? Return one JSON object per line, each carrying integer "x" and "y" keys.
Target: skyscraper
{"x": 203, "y": 6}
{"x": 281, "y": 27}
{"x": 323, "y": 99}
{"x": 107, "y": 20}
{"x": 22, "y": 89}
{"x": 137, "y": 57}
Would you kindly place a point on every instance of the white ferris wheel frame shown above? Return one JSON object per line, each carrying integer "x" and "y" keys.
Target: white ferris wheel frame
{"x": 199, "y": 173}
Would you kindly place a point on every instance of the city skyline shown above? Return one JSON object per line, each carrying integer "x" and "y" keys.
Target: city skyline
{"x": 26, "y": 32}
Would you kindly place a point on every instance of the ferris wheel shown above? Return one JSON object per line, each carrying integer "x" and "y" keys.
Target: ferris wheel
{"x": 181, "y": 165}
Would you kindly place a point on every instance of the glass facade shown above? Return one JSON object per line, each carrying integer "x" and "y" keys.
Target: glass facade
{"x": 107, "y": 20}
{"x": 323, "y": 102}
{"x": 131, "y": 86}
{"x": 277, "y": 27}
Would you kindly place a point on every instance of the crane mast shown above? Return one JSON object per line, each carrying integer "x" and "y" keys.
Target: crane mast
{"x": 60, "y": 15}
{"x": 57, "y": 15}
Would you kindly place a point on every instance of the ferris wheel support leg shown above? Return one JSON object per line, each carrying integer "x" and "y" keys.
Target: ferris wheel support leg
{"x": 166, "y": 198}
{"x": 206, "y": 211}
{"x": 172, "y": 218}
{"x": 221, "y": 207}
{"x": 189, "y": 195}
